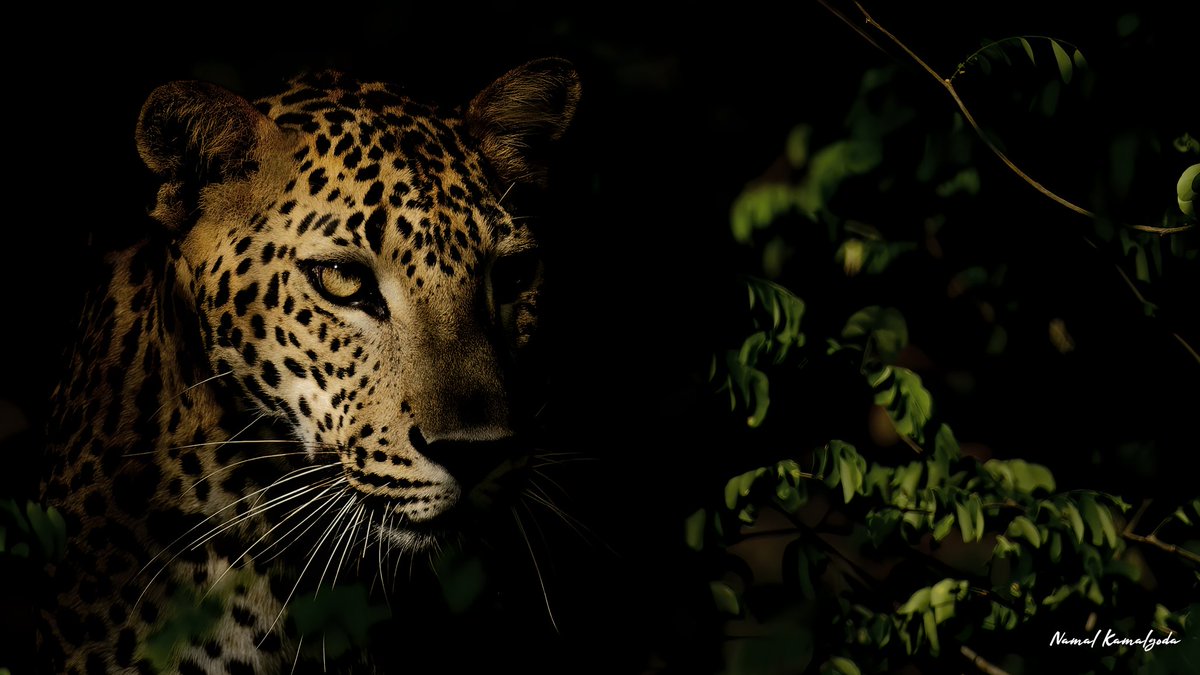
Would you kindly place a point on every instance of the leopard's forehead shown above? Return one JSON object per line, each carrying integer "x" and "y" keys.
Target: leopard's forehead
{"x": 378, "y": 174}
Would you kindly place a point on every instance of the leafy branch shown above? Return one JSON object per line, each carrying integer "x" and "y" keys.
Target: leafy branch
{"x": 1064, "y": 63}
{"x": 948, "y": 84}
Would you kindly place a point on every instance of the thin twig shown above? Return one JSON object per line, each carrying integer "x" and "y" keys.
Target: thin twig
{"x": 979, "y": 662}
{"x": 1154, "y": 541}
{"x": 1186, "y": 346}
{"x": 948, "y": 85}
{"x": 1161, "y": 230}
{"x": 1152, "y": 538}
{"x": 962, "y": 107}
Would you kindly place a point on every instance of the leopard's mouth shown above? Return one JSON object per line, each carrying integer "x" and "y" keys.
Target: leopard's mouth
{"x": 487, "y": 498}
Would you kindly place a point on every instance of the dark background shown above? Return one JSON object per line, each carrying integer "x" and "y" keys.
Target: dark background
{"x": 681, "y": 109}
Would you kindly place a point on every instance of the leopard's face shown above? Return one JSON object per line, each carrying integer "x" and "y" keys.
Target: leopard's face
{"x": 361, "y": 281}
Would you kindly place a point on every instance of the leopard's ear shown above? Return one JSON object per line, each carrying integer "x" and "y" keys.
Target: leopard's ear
{"x": 195, "y": 134}
{"x": 518, "y": 117}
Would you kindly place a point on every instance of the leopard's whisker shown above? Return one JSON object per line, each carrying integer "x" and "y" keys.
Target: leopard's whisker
{"x": 253, "y": 511}
{"x": 176, "y": 396}
{"x": 246, "y": 554}
{"x": 314, "y": 517}
{"x": 536, "y": 568}
{"x": 351, "y": 531}
{"x": 276, "y": 455}
{"x": 311, "y": 557}
{"x": 291, "y": 475}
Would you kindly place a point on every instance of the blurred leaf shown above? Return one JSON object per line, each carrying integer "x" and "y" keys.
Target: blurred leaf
{"x": 1186, "y": 188}
{"x": 943, "y": 527}
{"x": 797, "y": 145}
{"x": 1127, "y": 24}
{"x": 1024, "y": 528}
{"x": 917, "y": 602}
{"x": 869, "y": 255}
{"x": 836, "y": 665}
{"x": 187, "y": 620}
{"x": 694, "y": 529}
{"x": 343, "y": 615}
{"x": 908, "y": 403}
{"x": 1028, "y": 50}
{"x": 966, "y": 520}
{"x": 881, "y": 524}
{"x": 1077, "y": 58}
{"x": 757, "y": 207}
{"x": 851, "y": 468}
{"x": 1021, "y": 476}
{"x": 725, "y": 598}
{"x": 882, "y": 327}
{"x": 1064, "y": 61}
{"x": 966, "y": 180}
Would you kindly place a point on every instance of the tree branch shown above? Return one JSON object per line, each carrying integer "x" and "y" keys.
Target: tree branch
{"x": 1152, "y": 538}
{"x": 948, "y": 85}
{"x": 979, "y": 662}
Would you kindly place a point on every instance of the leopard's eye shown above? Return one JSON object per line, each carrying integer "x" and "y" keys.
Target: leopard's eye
{"x": 337, "y": 283}
{"x": 348, "y": 284}
{"x": 513, "y": 275}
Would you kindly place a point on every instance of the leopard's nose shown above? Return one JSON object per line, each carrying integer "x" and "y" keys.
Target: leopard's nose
{"x": 470, "y": 453}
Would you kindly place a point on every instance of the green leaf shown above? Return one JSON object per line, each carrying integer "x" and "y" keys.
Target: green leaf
{"x": 798, "y": 567}
{"x": 1186, "y": 188}
{"x": 851, "y": 467}
{"x": 966, "y": 520}
{"x": 1020, "y": 476}
{"x": 881, "y": 525}
{"x": 797, "y": 145}
{"x": 1107, "y": 526}
{"x": 41, "y": 527}
{"x": 1005, "y": 547}
{"x": 693, "y": 529}
{"x": 1024, "y": 528}
{"x": 1055, "y": 546}
{"x": 943, "y": 527}
{"x": 1064, "y": 61}
{"x": 1055, "y": 598}
{"x": 725, "y": 598}
{"x": 59, "y": 528}
{"x": 1028, "y": 50}
{"x": 943, "y": 597}
{"x": 10, "y": 507}
{"x": 1075, "y": 520}
{"x": 917, "y": 602}
{"x": 884, "y": 327}
{"x": 1077, "y": 57}
{"x": 931, "y": 633}
{"x": 839, "y": 665}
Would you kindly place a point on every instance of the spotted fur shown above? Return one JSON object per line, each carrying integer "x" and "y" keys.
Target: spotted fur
{"x": 326, "y": 320}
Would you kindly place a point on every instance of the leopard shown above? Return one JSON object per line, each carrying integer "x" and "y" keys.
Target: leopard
{"x": 310, "y": 353}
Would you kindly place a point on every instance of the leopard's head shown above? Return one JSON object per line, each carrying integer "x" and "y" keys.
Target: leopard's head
{"x": 354, "y": 269}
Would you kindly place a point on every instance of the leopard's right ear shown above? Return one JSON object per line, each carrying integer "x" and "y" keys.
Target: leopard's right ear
{"x": 193, "y": 135}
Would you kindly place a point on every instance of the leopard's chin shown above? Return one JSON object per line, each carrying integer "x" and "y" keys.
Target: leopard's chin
{"x": 413, "y": 538}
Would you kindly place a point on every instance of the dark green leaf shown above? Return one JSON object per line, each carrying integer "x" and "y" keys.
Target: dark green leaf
{"x": 1064, "y": 61}
{"x": 1028, "y": 50}
{"x": 838, "y": 665}
{"x": 694, "y": 529}
{"x": 40, "y": 524}
{"x": 725, "y": 598}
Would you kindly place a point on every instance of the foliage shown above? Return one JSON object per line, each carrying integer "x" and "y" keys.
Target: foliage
{"x": 844, "y": 561}
{"x": 31, "y": 532}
